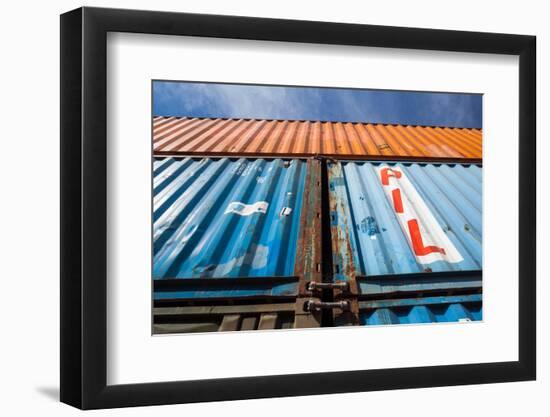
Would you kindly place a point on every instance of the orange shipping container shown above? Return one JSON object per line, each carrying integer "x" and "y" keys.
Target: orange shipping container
{"x": 291, "y": 138}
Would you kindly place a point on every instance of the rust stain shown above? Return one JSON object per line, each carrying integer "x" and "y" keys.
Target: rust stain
{"x": 308, "y": 259}
{"x": 341, "y": 244}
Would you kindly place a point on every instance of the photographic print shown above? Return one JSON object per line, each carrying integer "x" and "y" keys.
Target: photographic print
{"x": 285, "y": 207}
{"x": 303, "y": 196}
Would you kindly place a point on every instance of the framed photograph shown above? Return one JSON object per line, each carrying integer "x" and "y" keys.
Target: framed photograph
{"x": 257, "y": 208}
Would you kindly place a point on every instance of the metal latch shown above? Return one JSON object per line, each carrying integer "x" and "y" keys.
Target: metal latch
{"x": 341, "y": 285}
{"x": 312, "y": 305}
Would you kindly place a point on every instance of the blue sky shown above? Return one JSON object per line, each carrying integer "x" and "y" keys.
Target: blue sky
{"x": 310, "y": 103}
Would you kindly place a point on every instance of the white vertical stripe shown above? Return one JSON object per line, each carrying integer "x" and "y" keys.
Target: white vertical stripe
{"x": 414, "y": 207}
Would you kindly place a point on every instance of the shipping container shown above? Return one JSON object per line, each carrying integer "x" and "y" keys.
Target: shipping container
{"x": 232, "y": 227}
{"x": 403, "y": 231}
{"x": 235, "y": 243}
{"x": 238, "y": 243}
{"x": 298, "y": 138}
{"x": 399, "y": 218}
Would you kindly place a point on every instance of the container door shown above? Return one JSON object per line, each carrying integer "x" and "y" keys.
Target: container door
{"x": 404, "y": 231}
{"x": 235, "y": 243}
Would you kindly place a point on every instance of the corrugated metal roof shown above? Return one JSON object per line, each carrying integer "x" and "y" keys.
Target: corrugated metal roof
{"x": 399, "y": 218}
{"x": 422, "y": 310}
{"x": 226, "y": 218}
{"x": 194, "y": 136}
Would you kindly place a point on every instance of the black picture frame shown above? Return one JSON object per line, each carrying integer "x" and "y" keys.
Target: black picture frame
{"x": 84, "y": 207}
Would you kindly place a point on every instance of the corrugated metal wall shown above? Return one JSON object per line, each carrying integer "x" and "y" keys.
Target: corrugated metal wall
{"x": 370, "y": 239}
{"x": 421, "y": 310}
{"x": 226, "y": 218}
{"x": 188, "y": 136}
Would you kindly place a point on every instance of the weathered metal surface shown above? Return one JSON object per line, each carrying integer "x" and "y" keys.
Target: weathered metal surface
{"x": 213, "y": 318}
{"x": 225, "y": 317}
{"x": 211, "y": 289}
{"x": 222, "y": 227}
{"x": 421, "y": 310}
{"x": 250, "y": 137}
{"x": 401, "y": 218}
{"x": 226, "y": 218}
{"x": 308, "y": 250}
{"x": 424, "y": 283}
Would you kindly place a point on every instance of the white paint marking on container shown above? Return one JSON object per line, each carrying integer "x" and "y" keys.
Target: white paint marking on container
{"x": 427, "y": 239}
{"x": 236, "y": 207}
{"x": 285, "y": 211}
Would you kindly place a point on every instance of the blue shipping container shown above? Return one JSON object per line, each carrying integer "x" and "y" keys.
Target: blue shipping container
{"x": 402, "y": 218}
{"x": 227, "y": 218}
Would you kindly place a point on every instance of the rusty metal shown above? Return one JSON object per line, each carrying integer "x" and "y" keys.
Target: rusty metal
{"x": 342, "y": 248}
{"x": 341, "y": 285}
{"x": 189, "y": 318}
{"x": 308, "y": 257}
{"x": 328, "y": 157}
{"x": 342, "y": 265}
{"x": 315, "y": 305}
{"x": 305, "y": 318}
{"x": 349, "y": 317}
{"x": 295, "y": 138}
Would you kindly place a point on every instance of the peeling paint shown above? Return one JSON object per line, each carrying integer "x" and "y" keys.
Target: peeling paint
{"x": 369, "y": 226}
{"x": 236, "y": 207}
{"x": 256, "y": 258}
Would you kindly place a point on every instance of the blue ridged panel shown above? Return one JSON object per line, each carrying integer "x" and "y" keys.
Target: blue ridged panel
{"x": 370, "y": 237}
{"x": 422, "y": 310}
{"x": 279, "y": 289}
{"x": 418, "y": 283}
{"x": 226, "y": 218}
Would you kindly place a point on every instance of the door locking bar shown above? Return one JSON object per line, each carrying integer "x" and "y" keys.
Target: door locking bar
{"x": 312, "y": 305}
{"x": 341, "y": 285}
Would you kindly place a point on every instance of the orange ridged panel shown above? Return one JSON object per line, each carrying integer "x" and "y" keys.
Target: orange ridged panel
{"x": 194, "y": 136}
